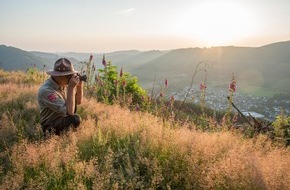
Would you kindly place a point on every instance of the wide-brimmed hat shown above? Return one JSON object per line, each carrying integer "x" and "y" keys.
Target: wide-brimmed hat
{"x": 62, "y": 67}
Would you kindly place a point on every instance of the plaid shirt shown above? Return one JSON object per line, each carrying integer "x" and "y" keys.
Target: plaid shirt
{"x": 51, "y": 101}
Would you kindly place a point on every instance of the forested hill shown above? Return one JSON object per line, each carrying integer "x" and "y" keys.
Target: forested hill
{"x": 12, "y": 58}
{"x": 265, "y": 67}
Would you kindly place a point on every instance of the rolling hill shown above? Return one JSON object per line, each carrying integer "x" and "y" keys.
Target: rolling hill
{"x": 257, "y": 69}
{"x": 262, "y": 67}
{"x": 12, "y": 58}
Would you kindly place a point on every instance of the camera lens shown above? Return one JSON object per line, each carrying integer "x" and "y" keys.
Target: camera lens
{"x": 83, "y": 78}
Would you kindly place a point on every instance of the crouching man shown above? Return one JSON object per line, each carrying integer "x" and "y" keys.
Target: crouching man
{"x": 58, "y": 97}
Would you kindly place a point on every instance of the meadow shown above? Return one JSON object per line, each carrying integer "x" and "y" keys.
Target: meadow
{"x": 118, "y": 148}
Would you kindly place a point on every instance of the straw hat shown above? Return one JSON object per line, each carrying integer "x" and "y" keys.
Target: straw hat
{"x": 62, "y": 67}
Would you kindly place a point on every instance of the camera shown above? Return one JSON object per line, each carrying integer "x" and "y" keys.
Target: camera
{"x": 83, "y": 78}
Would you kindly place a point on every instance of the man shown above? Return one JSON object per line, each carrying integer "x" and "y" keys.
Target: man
{"x": 58, "y": 97}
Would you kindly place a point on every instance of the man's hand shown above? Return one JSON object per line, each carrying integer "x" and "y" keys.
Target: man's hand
{"x": 80, "y": 84}
{"x": 74, "y": 81}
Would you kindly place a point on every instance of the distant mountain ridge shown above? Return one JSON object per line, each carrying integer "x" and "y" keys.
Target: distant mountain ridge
{"x": 255, "y": 67}
{"x": 12, "y": 58}
{"x": 262, "y": 67}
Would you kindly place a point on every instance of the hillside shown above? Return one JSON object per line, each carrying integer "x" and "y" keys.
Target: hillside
{"x": 261, "y": 70}
{"x": 265, "y": 67}
{"x": 115, "y": 148}
{"x": 132, "y": 62}
{"x": 16, "y": 59}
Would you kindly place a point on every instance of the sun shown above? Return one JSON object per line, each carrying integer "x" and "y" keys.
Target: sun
{"x": 217, "y": 23}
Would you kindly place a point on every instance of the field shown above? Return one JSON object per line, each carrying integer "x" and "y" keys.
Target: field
{"x": 259, "y": 91}
{"x": 115, "y": 148}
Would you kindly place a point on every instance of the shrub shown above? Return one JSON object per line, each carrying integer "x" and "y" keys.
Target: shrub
{"x": 282, "y": 128}
{"x": 110, "y": 86}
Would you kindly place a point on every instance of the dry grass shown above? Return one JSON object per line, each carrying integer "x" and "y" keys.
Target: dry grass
{"x": 115, "y": 148}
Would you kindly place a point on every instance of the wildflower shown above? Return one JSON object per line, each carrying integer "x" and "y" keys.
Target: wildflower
{"x": 213, "y": 121}
{"x": 97, "y": 78}
{"x": 124, "y": 83}
{"x": 161, "y": 94}
{"x": 224, "y": 120}
{"x": 202, "y": 86}
{"x": 235, "y": 118}
{"x": 149, "y": 99}
{"x": 106, "y": 92}
{"x": 137, "y": 107}
{"x": 121, "y": 72}
{"x": 166, "y": 83}
{"x": 116, "y": 82}
{"x": 94, "y": 68}
{"x": 171, "y": 101}
{"x": 233, "y": 86}
{"x": 104, "y": 61}
{"x": 91, "y": 58}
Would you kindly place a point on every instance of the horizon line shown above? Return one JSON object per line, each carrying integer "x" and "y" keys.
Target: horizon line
{"x": 123, "y": 50}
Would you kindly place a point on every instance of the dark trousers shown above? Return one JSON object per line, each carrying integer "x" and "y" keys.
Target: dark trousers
{"x": 62, "y": 124}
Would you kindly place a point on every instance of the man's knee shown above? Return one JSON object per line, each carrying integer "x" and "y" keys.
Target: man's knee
{"x": 75, "y": 120}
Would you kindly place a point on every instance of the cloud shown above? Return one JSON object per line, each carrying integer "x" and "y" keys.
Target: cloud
{"x": 127, "y": 11}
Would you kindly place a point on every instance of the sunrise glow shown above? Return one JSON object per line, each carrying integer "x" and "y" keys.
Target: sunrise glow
{"x": 106, "y": 26}
{"x": 217, "y": 23}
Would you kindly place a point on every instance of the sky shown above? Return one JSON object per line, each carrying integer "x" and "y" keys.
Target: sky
{"x": 99, "y": 26}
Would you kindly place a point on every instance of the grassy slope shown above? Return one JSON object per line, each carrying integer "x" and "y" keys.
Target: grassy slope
{"x": 116, "y": 148}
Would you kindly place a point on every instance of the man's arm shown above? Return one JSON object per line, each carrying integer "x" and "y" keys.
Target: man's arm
{"x": 79, "y": 94}
{"x": 70, "y": 101}
{"x": 71, "y": 97}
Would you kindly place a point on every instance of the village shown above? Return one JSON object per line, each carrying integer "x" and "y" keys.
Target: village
{"x": 258, "y": 107}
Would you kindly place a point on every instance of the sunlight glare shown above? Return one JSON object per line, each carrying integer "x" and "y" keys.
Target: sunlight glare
{"x": 217, "y": 23}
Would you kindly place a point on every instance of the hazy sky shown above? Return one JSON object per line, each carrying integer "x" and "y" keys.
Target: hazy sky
{"x": 110, "y": 25}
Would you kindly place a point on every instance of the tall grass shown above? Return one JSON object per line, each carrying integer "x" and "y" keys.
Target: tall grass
{"x": 115, "y": 148}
